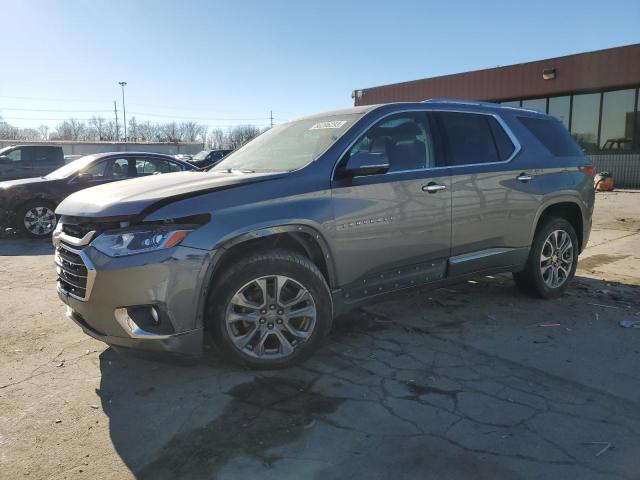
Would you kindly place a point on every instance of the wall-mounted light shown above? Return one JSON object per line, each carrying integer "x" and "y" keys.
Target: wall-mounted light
{"x": 548, "y": 73}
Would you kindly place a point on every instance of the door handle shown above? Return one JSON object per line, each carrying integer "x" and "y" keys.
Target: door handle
{"x": 524, "y": 177}
{"x": 433, "y": 187}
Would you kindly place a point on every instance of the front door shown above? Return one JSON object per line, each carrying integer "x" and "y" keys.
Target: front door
{"x": 393, "y": 230}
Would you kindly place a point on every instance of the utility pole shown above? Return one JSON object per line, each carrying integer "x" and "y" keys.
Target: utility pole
{"x": 271, "y": 115}
{"x": 124, "y": 110}
{"x": 115, "y": 110}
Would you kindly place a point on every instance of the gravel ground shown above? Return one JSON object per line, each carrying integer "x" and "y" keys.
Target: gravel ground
{"x": 471, "y": 381}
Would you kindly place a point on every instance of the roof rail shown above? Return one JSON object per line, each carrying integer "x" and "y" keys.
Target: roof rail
{"x": 461, "y": 101}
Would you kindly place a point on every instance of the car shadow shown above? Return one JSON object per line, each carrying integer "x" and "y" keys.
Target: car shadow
{"x": 172, "y": 421}
{"x": 24, "y": 247}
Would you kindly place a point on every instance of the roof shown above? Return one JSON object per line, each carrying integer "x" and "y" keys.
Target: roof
{"x": 610, "y": 68}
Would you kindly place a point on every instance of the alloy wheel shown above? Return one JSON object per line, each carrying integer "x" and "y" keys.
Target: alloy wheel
{"x": 556, "y": 258}
{"x": 269, "y": 317}
{"x": 39, "y": 221}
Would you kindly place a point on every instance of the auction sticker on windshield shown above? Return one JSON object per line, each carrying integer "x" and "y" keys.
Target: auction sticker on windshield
{"x": 322, "y": 125}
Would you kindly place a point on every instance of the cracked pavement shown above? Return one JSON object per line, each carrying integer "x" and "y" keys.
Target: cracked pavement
{"x": 470, "y": 381}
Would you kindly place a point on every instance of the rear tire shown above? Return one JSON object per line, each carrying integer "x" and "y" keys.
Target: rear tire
{"x": 36, "y": 219}
{"x": 270, "y": 310}
{"x": 552, "y": 260}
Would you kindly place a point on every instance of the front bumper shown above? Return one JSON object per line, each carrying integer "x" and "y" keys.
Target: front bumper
{"x": 7, "y": 218}
{"x": 171, "y": 282}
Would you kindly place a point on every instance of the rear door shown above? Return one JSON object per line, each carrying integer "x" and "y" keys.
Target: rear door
{"x": 390, "y": 231}
{"x": 491, "y": 200}
{"x": 44, "y": 160}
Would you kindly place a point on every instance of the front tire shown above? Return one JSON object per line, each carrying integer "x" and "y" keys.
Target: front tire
{"x": 36, "y": 219}
{"x": 270, "y": 310}
{"x": 552, "y": 260}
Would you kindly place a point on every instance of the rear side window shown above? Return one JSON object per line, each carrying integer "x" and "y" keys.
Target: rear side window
{"x": 553, "y": 135}
{"x": 473, "y": 138}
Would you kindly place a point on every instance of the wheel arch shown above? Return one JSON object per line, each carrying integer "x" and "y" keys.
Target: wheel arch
{"x": 303, "y": 239}
{"x": 569, "y": 209}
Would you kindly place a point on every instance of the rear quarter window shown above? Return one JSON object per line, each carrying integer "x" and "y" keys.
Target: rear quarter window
{"x": 553, "y": 135}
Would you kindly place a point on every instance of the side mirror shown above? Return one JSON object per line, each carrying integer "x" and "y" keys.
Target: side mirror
{"x": 84, "y": 177}
{"x": 365, "y": 163}
{"x": 4, "y": 159}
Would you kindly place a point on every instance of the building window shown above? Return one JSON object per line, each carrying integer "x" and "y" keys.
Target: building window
{"x": 618, "y": 111}
{"x": 560, "y": 107}
{"x": 584, "y": 120}
{"x": 513, "y": 103}
{"x": 538, "y": 104}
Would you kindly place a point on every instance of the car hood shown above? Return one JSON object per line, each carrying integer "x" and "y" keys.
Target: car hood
{"x": 22, "y": 182}
{"x": 143, "y": 195}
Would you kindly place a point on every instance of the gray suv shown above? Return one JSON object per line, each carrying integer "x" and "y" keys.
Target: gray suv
{"x": 318, "y": 215}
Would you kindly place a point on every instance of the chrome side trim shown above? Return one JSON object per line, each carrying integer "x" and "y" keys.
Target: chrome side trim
{"x": 91, "y": 273}
{"x": 468, "y": 257}
{"x": 516, "y": 144}
{"x": 132, "y": 329}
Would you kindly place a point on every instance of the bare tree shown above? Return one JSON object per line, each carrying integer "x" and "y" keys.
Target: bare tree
{"x": 43, "y": 133}
{"x": 98, "y": 126}
{"x": 216, "y": 139}
{"x": 192, "y": 131}
{"x": 72, "y": 129}
{"x": 238, "y": 136}
{"x": 169, "y": 132}
{"x": 133, "y": 129}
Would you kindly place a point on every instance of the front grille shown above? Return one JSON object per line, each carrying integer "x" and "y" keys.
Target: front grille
{"x": 72, "y": 272}
{"x": 78, "y": 227}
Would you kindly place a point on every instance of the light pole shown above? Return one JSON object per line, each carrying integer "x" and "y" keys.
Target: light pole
{"x": 124, "y": 110}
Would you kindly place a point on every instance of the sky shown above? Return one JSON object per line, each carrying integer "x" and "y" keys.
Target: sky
{"x": 224, "y": 63}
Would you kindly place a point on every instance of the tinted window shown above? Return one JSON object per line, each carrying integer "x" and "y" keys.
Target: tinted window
{"x": 15, "y": 155}
{"x": 538, "y": 104}
{"x": 150, "y": 166}
{"x": 503, "y": 142}
{"x": 474, "y": 138}
{"x": 584, "y": 121}
{"x": 119, "y": 168}
{"x": 97, "y": 170}
{"x": 41, "y": 155}
{"x": 617, "y": 120}
{"x": 560, "y": 107}
{"x": 553, "y": 135}
{"x": 404, "y": 138}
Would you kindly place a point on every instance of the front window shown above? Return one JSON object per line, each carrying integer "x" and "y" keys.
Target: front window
{"x": 289, "y": 146}
{"x": 13, "y": 155}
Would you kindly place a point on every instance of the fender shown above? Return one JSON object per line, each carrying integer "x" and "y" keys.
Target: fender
{"x": 562, "y": 197}
{"x": 266, "y": 232}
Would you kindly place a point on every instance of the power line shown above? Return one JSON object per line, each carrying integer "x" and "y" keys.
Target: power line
{"x": 53, "y": 111}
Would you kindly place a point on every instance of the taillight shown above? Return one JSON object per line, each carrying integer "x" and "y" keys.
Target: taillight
{"x": 589, "y": 170}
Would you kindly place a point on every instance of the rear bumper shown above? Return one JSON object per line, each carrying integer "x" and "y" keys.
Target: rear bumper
{"x": 170, "y": 282}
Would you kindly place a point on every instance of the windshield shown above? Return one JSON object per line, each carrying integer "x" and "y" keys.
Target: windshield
{"x": 201, "y": 156}
{"x": 2, "y": 150}
{"x": 71, "y": 168}
{"x": 289, "y": 146}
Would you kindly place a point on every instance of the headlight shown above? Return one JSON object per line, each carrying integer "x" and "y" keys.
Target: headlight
{"x": 140, "y": 240}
